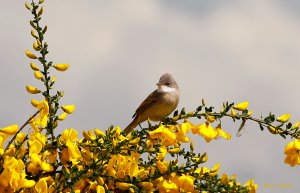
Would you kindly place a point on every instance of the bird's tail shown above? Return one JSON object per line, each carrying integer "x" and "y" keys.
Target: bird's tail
{"x": 131, "y": 126}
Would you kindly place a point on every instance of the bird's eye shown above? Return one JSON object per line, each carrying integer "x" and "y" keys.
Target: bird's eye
{"x": 168, "y": 84}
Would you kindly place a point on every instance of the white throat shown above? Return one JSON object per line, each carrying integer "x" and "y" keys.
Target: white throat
{"x": 165, "y": 89}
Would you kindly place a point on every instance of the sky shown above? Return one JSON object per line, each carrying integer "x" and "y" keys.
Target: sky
{"x": 217, "y": 50}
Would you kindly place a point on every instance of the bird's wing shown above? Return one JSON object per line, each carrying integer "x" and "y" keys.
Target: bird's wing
{"x": 152, "y": 98}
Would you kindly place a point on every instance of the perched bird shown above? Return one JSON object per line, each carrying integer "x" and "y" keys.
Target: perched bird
{"x": 159, "y": 104}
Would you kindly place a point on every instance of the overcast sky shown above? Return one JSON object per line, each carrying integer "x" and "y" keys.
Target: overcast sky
{"x": 218, "y": 50}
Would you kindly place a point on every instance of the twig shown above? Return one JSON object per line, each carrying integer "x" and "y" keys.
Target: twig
{"x": 22, "y": 127}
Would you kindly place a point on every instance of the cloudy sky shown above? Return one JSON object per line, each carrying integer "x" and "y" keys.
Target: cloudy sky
{"x": 218, "y": 50}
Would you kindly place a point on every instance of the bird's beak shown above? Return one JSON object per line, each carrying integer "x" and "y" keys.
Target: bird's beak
{"x": 158, "y": 84}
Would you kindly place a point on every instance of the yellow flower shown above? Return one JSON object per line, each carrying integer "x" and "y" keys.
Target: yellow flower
{"x": 30, "y": 55}
{"x": 186, "y": 183}
{"x": 88, "y": 135}
{"x": 147, "y": 186}
{"x": 9, "y": 130}
{"x": 69, "y": 138}
{"x": 162, "y": 166}
{"x": 121, "y": 166}
{"x": 20, "y": 137}
{"x": 162, "y": 152}
{"x": 68, "y": 108}
{"x": 13, "y": 174}
{"x": 33, "y": 66}
{"x": 251, "y": 186}
{"x": 44, "y": 113}
{"x": 98, "y": 132}
{"x": 61, "y": 67}
{"x": 214, "y": 170}
{"x": 223, "y": 133}
{"x": 205, "y": 130}
{"x": 41, "y": 186}
{"x": 183, "y": 129}
{"x": 32, "y": 90}
{"x": 283, "y": 118}
{"x": 224, "y": 179}
{"x": 241, "y": 106}
{"x": 167, "y": 186}
{"x": 165, "y": 134}
{"x": 38, "y": 75}
{"x": 292, "y": 152}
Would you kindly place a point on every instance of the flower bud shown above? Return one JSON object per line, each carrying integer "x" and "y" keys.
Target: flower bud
{"x": 68, "y": 108}
{"x": 241, "y": 106}
{"x": 40, "y": 11}
{"x": 35, "y": 103}
{"x": 45, "y": 29}
{"x": 27, "y": 5}
{"x": 274, "y": 130}
{"x": 296, "y": 125}
{"x": 61, "y": 67}
{"x": 192, "y": 145}
{"x": 250, "y": 113}
{"x": 32, "y": 90}
{"x": 210, "y": 118}
{"x": 233, "y": 113}
{"x": 38, "y": 75}
{"x": 41, "y": 1}
{"x": 36, "y": 47}
{"x": 53, "y": 79}
{"x": 100, "y": 181}
{"x": 38, "y": 42}
{"x": 62, "y": 116}
{"x": 203, "y": 102}
{"x": 283, "y": 118}
{"x": 33, "y": 34}
{"x": 33, "y": 66}
{"x": 122, "y": 185}
{"x": 98, "y": 132}
{"x": 174, "y": 150}
{"x": 135, "y": 141}
{"x": 30, "y": 55}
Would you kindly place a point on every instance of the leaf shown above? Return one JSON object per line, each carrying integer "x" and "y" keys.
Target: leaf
{"x": 199, "y": 108}
{"x": 175, "y": 113}
{"x": 261, "y": 127}
{"x": 289, "y": 125}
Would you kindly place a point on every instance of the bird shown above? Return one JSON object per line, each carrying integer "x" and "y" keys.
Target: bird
{"x": 159, "y": 104}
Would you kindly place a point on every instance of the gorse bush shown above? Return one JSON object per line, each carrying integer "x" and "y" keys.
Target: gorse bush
{"x": 110, "y": 161}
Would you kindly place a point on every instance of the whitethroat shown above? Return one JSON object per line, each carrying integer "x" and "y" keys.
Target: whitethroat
{"x": 159, "y": 104}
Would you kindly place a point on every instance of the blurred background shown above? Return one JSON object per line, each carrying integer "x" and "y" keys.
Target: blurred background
{"x": 218, "y": 50}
